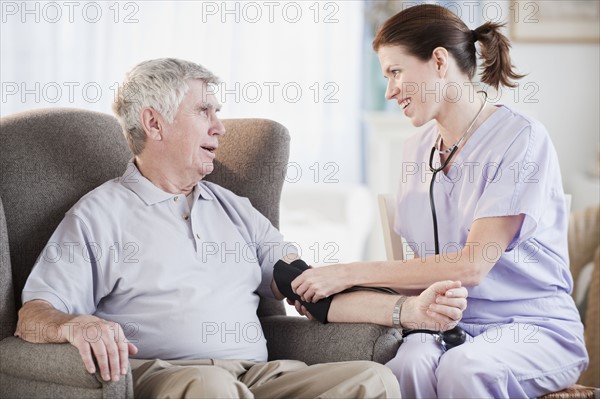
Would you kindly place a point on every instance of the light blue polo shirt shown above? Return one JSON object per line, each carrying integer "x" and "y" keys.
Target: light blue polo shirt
{"x": 183, "y": 284}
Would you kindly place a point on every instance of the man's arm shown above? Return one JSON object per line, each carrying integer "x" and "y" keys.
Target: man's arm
{"x": 289, "y": 258}
{"x": 278, "y": 295}
{"x": 89, "y": 334}
{"x": 439, "y": 307}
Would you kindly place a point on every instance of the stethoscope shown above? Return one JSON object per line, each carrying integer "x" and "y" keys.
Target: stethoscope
{"x": 455, "y": 336}
{"x": 452, "y": 151}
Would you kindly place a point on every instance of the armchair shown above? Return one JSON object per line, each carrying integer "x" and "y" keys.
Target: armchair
{"x": 50, "y": 158}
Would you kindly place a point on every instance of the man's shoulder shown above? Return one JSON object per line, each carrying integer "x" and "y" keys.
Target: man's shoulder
{"x": 108, "y": 197}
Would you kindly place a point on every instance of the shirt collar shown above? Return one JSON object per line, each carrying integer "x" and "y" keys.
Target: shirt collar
{"x": 201, "y": 192}
{"x": 151, "y": 194}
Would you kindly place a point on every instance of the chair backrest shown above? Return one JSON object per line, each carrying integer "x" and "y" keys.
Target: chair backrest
{"x": 51, "y": 157}
{"x": 7, "y": 303}
{"x": 391, "y": 240}
{"x": 584, "y": 234}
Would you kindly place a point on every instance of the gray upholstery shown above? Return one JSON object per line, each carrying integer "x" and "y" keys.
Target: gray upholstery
{"x": 50, "y": 158}
{"x": 7, "y": 303}
{"x": 57, "y": 370}
{"x": 312, "y": 342}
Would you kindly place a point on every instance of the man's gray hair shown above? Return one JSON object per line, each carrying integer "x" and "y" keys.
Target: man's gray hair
{"x": 160, "y": 84}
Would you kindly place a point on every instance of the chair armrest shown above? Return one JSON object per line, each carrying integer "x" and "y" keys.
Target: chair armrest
{"x": 311, "y": 342}
{"x": 36, "y": 368}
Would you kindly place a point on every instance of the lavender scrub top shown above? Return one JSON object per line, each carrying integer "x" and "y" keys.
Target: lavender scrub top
{"x": 508, "y": 167}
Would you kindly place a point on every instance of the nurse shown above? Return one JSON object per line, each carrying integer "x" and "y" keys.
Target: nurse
{"x": 501, "y": 219}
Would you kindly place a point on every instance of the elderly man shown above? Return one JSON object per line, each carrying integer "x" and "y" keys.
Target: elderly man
{"x": 161, "y": 297}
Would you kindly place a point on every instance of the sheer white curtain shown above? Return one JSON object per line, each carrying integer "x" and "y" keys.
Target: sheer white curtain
{"x": 298, "y": 63}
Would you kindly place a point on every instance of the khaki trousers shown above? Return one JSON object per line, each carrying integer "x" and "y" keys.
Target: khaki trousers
{"x": 214, "y": 378}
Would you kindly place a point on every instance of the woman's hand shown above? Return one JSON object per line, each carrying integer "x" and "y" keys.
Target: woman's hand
{"x": 318, "y": 283}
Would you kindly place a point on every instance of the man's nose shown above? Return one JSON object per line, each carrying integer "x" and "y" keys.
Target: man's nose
{"x": 218, "y": 127}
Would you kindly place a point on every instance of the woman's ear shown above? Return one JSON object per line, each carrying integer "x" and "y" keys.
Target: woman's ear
{"x": 151, "y": 123}
{"x": 440, "y": 59}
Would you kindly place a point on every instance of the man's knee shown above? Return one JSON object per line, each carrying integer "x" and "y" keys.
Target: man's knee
{"x": 207, "y": 382}
{"x": 367, "y": 375}
{"x": 193, "y": 382}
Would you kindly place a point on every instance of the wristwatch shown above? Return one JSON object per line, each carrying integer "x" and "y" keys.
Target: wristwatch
{"x": 397, "y": 311}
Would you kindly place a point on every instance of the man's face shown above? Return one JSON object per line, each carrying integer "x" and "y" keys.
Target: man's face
{"x": 193, "y": 137}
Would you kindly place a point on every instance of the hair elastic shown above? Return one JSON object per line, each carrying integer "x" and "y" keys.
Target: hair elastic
{"x": 474, "y": 35}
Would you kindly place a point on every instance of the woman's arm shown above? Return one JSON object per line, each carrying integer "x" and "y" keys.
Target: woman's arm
{"x": 487, "y": 240}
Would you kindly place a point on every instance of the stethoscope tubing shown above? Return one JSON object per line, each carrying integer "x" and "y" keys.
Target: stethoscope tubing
{"x": 431, "y": 199}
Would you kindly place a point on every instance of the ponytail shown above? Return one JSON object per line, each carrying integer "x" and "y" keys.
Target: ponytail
{"x": 497, "y": 67}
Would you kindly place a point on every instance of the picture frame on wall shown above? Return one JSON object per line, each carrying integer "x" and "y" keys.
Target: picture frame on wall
{"x": 555, "y": 21}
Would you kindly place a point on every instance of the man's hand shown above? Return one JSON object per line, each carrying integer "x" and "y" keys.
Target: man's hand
{"x": 438, "y": 308}
{"x": 105, "y": 340}
{"x": 89, "y": 334}
{"x": 302, "y": 311}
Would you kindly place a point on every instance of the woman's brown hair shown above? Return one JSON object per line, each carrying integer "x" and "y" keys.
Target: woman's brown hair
{"x": 420, "y": 29}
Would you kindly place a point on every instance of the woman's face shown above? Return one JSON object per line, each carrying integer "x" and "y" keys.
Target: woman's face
{"x": 416, "y": 85}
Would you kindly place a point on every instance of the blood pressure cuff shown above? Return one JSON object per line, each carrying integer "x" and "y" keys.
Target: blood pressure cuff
{"x": 449, "y": 339}
{"x": 284, "y": 273}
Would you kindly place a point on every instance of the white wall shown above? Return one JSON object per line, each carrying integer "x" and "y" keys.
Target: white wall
{"x": 294, "y": 62}
{"x": 561, "y": 90}
{"x": 567, "y": 79}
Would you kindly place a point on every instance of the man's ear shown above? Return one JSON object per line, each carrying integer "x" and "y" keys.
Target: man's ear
{"x": 151, "y": 123}
{"x": 440, "y": 59}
